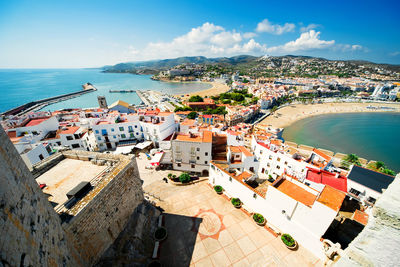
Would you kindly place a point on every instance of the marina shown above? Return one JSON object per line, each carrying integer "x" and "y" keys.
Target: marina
{"x": 40, "y": 104}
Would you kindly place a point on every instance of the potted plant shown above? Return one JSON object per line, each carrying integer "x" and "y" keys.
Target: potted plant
{"x": 236, "y": 202}
{"x": 170, "y": 176}
{"x": 174, "y": 177}
{"x": 218, "y": 189}
{"x": 160, "y": 234}
{"x": 259, "y": 219}
{"x": 289, "y": 242}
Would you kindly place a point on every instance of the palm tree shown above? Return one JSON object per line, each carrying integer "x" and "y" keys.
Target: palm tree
{"x": 353, "y": 159}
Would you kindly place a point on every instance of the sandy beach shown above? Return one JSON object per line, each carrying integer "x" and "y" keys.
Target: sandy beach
{"x": 216, "y": 89}
{"x": 287, "y": 115}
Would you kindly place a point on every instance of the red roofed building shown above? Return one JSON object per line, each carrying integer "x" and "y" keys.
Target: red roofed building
{"x": 327, "y": 178}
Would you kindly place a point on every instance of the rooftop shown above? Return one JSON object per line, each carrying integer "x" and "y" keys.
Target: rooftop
{"x": 331, "y": 198}
{"x": 374, "y": 180}
{"x": 296, "y": 192}
{"x": 36, "y": 121}
{"x": 64, "y": 176}
{"x": 205, "y": 137}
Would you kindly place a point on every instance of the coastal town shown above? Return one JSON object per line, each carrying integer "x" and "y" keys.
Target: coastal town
{"x": 263, "y": 198}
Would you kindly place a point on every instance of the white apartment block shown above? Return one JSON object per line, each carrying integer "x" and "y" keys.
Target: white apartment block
{"x": 192, "y": 152}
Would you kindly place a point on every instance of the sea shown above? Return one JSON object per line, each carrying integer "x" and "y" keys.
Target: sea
{"x": 373, "y": 136}
{"x": 24, "y": 85}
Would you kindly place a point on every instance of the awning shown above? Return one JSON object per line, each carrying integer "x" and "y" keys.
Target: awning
{"x": 143, "y": 145}
{"x": 123, "y": 149}
{"x": 155, "y": 161}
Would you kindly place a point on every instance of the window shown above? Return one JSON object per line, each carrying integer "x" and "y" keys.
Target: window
{"x": 132, "y": 135}
{"x": 278, "y": 167}
{"x": 198, "y": 158}
{"x": 270, "y": 157}
{"x": 162, "y": 119}
{"x": 279, "y": 159}
{"x": 58, "y": 143}
{"x": 260, "y": 152}
{"x": 192, "y": 166}
{"x": 75, "y": 145}
{"x": 112, "y": 129}
{"x": 97, "y": 131}
{"x": 179, "y": 165}
{"x": 285, "y": 162}
{"x": 354, "y": 191}
{"x": 268, "y": 165}
{"x": 76, "y": 136}
{"x": 230, "y": 179}
{"x": 114, "y": 137}
{"x": 130, "y": 129}
{"x": 371, "y": 200}
{"x": 237, "y": 156}
{"x": 206, "y": 153}
{"x": 121, "y": 129}
{"x": 41, "y": 157}
{"x": 254, "y": 195}
{"x": 99, "y": 138}
{"x": 70, "y": 138}
{"x": 198, "y": 149}
{"x": 206, "y": 162}
{"x": 307, "y": 184}
{"x": 123, "y": 136}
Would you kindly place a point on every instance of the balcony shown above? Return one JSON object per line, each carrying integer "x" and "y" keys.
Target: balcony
{"x": 192, "y": 161}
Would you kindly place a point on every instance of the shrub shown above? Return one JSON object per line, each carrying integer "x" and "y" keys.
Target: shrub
{"x": 170, "y": 175}
{"x": 235, "y": 201}
{"x": 258, "y": 218}
{"x": 184, "y": 178}
{"x": 192, "y": 115}
{"x": 288, "y": 240}
{"x": 196, "y": 98}
{"x": 218, "y": 188}
{"x": 173, "y": 176}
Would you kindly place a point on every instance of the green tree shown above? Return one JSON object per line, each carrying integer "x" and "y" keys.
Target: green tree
{"x": 273, "y": 109}
{"x": 196, "y": 98}
{"x": 192, "y": 115}
{"x": 379, "y": 165}
{"x": 353, "y": 159}
{"x": 184, "y": 178}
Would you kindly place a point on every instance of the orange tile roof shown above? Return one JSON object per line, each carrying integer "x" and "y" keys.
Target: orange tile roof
{"x": 322, "y": 154}
{"x": 361, "y": 217}
{"x": 164, "y": 114}
{"x": 276, "y": 142}
{"x": 331, "y": 197}
{"x": 245, "y": 151}
{"x": 296, "y": 192}
{"x": 12, "y": 134}
{"x": 34, "y": 122}
{"x": 205, "y": 138}
{"x": 188, "y": 122}
{"x": 244, "y": 175}
{"x": 235, "y": 149}
{"x": 70, "y": 130}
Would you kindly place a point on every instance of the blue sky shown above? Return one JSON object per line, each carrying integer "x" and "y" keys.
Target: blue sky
{"x": 68, "y": 34}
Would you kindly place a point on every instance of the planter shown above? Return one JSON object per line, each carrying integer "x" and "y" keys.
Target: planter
{"x": 236, "y": 203}
{"x": 160, "y": 234}
{"x": 218, "y": 189}
{"x": 289, "y": 242}
{"x": 259, "y": 219}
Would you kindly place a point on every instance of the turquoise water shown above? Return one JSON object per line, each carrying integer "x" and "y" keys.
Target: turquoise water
{"x": 21, "y": 86}
{"x": 374, "y": 136}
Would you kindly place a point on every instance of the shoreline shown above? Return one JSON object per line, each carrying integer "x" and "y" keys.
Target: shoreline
{"x": 288, "y": 115}
{"x": 215, "y": 89}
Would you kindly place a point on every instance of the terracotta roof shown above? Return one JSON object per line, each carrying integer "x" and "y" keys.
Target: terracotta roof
{"x": 164, "y": 114}
{"x": 276, "y": 142}
{"x": 331, "y": 198}
{"x": 245, "y": 151}
{"x": 235, "y": 149}
{"x": 322, "y": 154}
{"x": 12, "y": 134}
{"x": 188, "y": 122}
{"x": 34, "y": 122}
{"x": 296, "y": 192}
{"x": 244, "y": 175}
{"x": 361, "y": 217}
{"x": 206, "y": 137}
{"x": 70, "y": 130}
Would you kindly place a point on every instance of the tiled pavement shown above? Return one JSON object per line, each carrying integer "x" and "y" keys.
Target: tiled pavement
{"x": 204, "y": 229}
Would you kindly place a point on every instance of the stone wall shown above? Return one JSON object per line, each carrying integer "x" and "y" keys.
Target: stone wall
{"x": 378, "y": 243}
{"x": 112, "y": 201}
{"x": 30, "y": 231}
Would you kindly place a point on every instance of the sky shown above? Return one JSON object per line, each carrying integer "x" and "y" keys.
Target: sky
{"x": 75, "y": 34}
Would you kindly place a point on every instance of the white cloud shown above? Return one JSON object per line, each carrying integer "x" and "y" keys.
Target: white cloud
{"x": 207, "y": 40}
{"x": 311, "y": 26}
{"x": 307, "y": 41}
{"x": 394, "y": 54}
{"x": 267, "y": 26}
{"x": 248, "y": 35}
{"x": 215, "y": 41}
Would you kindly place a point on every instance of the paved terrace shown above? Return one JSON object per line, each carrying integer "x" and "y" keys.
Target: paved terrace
{"x": 65, "y": 176}
{"x": 204, "y": 229}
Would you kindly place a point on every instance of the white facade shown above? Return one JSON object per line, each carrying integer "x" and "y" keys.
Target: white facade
{"x": 284, "y": 214}
{"x": 34, "y": 154}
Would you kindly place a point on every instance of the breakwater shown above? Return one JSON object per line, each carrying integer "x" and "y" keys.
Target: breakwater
{"x": 39, "y": 104}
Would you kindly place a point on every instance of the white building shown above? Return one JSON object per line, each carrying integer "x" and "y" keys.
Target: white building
{"x": 287, "y": 205}
{"x": 192, "y": 152}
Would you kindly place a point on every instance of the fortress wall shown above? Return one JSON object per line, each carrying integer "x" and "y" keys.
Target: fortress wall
{"x": 30, "y": 230}
{"x": 94, "y": 229}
